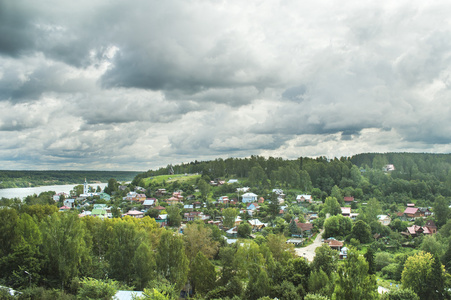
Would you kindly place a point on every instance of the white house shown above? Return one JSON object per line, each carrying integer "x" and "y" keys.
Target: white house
{"x": 249, "y": 197}
{"x": 304, "y": 198}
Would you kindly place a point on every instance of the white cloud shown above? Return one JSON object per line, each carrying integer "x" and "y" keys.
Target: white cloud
{"x": 120, "y": 85}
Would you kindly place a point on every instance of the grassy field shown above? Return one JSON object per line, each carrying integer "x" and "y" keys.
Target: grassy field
{"x": 191, "y": 178}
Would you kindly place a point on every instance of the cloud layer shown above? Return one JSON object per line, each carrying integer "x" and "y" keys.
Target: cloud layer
{"x": 137, "y": 85}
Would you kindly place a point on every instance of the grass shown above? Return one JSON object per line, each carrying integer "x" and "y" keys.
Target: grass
{"x": 386, "y": 283}
{"x": 171, "y": 178}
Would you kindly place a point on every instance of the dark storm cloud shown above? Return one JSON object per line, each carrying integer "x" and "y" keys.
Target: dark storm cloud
{"x": 98, "y": 83}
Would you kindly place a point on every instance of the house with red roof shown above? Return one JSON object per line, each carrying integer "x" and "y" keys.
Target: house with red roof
{"x": 429, "y": 228}
{"x": 348, "y": 199}
{"x": 412, "y": 212}
{"x": 135, "y": 214}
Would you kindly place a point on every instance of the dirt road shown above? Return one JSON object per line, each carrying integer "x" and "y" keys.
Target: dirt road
{"x": 309, "y": 251}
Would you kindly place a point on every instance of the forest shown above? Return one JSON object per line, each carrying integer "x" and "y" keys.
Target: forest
{"x": 48, "y": 254}
{"x": 29, "y": 178}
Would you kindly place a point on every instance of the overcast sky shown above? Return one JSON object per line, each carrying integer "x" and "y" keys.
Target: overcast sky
{"x": 135, "y": 85}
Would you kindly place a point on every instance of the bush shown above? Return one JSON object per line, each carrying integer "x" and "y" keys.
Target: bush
{"x": 389, "y": 272}
{"x": 382, "y": 259}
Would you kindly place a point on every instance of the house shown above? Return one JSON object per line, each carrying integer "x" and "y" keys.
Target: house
{"x": 172, "y": 200}
{"x": 346, "y": 211}
{"x": 64, "y": 208}
{"x": 384, "y": 219}
{"x": 412, "y": 212}
{"x": 348, "y": 199}
{"x": 101, "y": 213}
{"x": 232, "y": 232}
{"x": 429, "y": 228}
{"x": 243, "y": 189}
{"x": 389, "y": 168}
{"x": 128, "y": 295}
{"x": 306, "y": 228}
{"x": 84, "y": 214}
{"x": 69, "y": 203}
{"x": 304, "y": 198}
{"x": 295, "y": 241}
{"x": 249, "y": 197}
{"x": 334, "y": 244}
{"x": 160, "y": 208}
{"x": 232, "y": 181}
{"x": 192, "y": 215}
{"x": 224, "y": 200}
{"x": 149, "y": 203}
{"x": 343, "y": 253}
{"x": 134, "y": 214}
{"x": 56, "y": 197}
{"x": 238, "y": 221}
{"x": 261, "y": 200}
{"x": 160, "y": 192}
{"x": 256, "y": 224}
{"x": 178, "y": 195}
{"x": 188, "y": 207}
{"x": 162, "y": 220}
{"x": 253, "y": 206}
{"x": 424, "y": 212}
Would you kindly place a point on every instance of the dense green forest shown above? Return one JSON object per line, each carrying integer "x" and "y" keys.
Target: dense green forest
{"x": 48, "y": 254}
{"x": 28, "y": 178}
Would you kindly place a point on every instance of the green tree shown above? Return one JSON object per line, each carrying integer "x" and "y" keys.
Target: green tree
{"x": 203, "y": 274}
{"x": 273, "y": 206}
{"x": 198, "y": 238}
{"x": 91, "y": 288}
{"x": 417, "y": 274}
{"x": 336, "y": 193}
{"x": 441, "y": 211}
{"x": 171, "y": 259}
{"x": 369, "y": 256}
{"x": 244, "y": 230}
{"x": 174, "y": 216}
{"x": 63, "y": 246}
{"x": 229, "y": 216}
{"x": 315, "y": 297}
{"x": 362, "y": 232}
{"x": 204, "y": 188}
{"x": 353, "y": 281}
{"x": 400, "y": 294}
{"x": 144, "y": 266}
{"x": 257, "y": 176}
{"x": 332, "y": 206}
{"x": 326, "y": 259}
{"x": 259, "y": 284}
{"x": 122, "y": 244}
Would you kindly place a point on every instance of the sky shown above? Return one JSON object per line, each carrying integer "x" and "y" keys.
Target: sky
{"x": 137, "y": 85}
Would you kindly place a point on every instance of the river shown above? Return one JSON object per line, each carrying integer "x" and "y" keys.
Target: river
{"x": 23, "y": 192}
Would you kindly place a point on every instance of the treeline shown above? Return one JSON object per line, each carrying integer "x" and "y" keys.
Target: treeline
{"x": 15, "y": 179}
{"x": 42, "y": 250}
{"x": 416, "y": 176}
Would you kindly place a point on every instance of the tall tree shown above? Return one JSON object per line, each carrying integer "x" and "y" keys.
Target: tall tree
{"x": 172, "y": 262}
{"x": 198, "y": 238}
{"x": 353, "y": 281}
{"x": 63, "y": 246}
{"x": 229, "y": 216}
{"x": 441, "y": 211}
{"x": 417, "y": 274}
{"x": 203, "y": 274}
{"x": 174, "y": 216}
{"x": 361, "y": 231}
{"x": 332, "y": 206}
